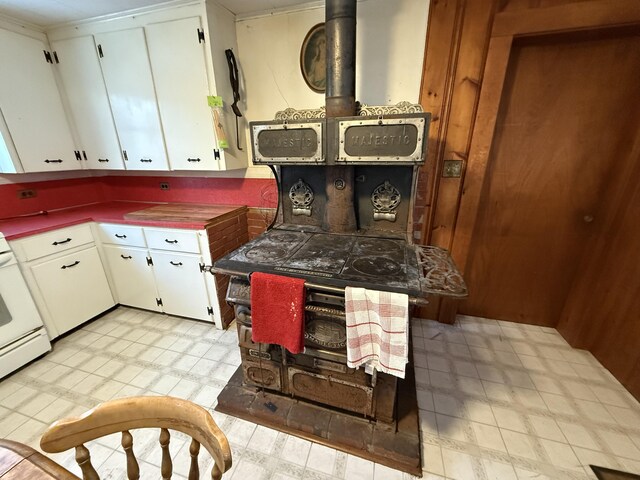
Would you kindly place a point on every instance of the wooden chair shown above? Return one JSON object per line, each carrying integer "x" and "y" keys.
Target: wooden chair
{"x": 127, "y": 414}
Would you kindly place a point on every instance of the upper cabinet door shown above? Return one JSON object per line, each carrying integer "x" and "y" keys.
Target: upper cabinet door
{"x": 32, "y": 107}
{"x": 177, "y": 55}
{"x": 127, "y": 74}
{"x": 79, "y": 68}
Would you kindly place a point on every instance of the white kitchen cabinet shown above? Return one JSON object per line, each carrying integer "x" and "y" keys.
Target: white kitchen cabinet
{"x": 32, "y": 108}
{"x": 73, "y": 287}
{"x": 127, "y": 75}
{"x": 159, "y": 67}
{"x": 132, "y": 274}
{"x": 81, "y": 75}
{"x": 65, "y": 275}
{"x": 181, "y": 284}
{"x": 160, "y": 269}
{"x": 177, "y": 56}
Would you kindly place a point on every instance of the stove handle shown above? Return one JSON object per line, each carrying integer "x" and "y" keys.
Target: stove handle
{"x": 5, "y": 257}
{"x": 244, "y": 315}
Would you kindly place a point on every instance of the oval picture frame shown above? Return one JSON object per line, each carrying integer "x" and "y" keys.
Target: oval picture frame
{"x": 313, "y": 59}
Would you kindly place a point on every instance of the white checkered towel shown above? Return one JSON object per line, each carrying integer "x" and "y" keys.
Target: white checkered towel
{"x": 377, "y": 330}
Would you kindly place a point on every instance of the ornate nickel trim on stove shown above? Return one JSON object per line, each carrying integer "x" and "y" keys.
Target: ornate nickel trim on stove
{"x": 438, "y": 273}
{"x": 385, "y": 199}
{"x": 288, "y": 143}
{"x": 397, "y": 139}
{"x": 363, "y": 110}
{"x": 301, "y": 197}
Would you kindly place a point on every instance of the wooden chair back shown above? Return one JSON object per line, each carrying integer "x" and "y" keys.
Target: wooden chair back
{"x": 123, "y": 415}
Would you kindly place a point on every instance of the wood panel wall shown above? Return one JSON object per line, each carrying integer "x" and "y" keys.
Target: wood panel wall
{"x": 602, "y": 310}
{"x": 457, "y": 41}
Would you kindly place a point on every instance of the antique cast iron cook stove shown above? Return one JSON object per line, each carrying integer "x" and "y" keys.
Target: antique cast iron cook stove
{"x": 346, "y": 180}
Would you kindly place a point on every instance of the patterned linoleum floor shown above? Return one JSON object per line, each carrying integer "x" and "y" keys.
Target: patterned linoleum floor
{"x": 498, "y": 401}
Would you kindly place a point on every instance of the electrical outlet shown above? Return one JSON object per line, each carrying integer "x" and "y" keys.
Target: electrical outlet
{"x": 452, "y": 169}
{"x": 164, "y": 185}
{"x": 27, "y": 193}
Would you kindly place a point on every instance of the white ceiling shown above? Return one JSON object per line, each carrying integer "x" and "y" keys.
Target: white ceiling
{"x": 45, "y": 13}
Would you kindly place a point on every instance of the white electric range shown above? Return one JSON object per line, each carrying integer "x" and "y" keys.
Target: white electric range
{"x": 22, "y": 334}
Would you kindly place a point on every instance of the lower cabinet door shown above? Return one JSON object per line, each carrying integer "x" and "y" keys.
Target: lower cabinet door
{"x": 132, "y": 274}
{"x": 74, "y": 288}
{"x": 181, "y": 284}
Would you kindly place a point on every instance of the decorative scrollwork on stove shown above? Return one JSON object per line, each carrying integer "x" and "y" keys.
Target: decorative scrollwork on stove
{"x": 385, "y": 199}
{"x": 301, "y": 197}
{"x": 438, "y": 273}
{"x": 364, "y": 110}
{"x": 293, "y": 114}
{"x": 398, "y": 108}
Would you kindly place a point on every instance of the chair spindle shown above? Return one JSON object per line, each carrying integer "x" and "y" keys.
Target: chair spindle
{"x": 83, "y": 459}
{"x": 194, "y": 470}
{"x": 166, "y": 468}
{"x": 133, "y": 470}
{"x": 216, "y": 474}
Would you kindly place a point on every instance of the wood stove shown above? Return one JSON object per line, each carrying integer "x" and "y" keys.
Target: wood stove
{"x": 346, "y": 180}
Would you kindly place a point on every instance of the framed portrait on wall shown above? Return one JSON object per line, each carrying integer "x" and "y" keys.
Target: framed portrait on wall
{"x": 313, "y": 58}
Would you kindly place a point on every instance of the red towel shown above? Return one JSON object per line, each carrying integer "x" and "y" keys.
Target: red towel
{"x": 277, "y": 310}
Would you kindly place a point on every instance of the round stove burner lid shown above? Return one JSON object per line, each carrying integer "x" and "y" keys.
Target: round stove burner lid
{"x": 375, "y": 265}
{"x": 265, "y": 252}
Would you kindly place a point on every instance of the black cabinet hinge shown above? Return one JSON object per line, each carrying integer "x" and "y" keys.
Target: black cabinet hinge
{"x": 124, "y": 154}
{"x": 84, "y": 155}
{"x": 77, "y": 154}
{"x": 47, "y": 56}
{"x": 159, "y": 302}
{"x": 55, "y": 56}
{"x": 210, "y": 310}
{"x": 100, "y": 54}
{"x": 216, "y": 154}
{"x": 200, "y": 35}
{"x": 201, "y": 265}
{"x": 150, "y": 261}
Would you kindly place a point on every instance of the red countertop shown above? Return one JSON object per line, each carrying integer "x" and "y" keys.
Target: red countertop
{"x": 110, "y": 212}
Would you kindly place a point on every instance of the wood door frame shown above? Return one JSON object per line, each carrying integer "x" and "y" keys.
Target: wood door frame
{"x": 508, "y": 26}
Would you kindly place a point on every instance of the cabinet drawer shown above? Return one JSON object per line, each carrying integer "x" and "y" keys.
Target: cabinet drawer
{"x": 174, "y": 240}
{"x": 121, "y": 235}
{"x": 56, "y": 241}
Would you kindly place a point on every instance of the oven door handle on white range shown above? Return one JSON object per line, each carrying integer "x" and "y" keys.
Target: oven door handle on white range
{"x": 5, "y": 257}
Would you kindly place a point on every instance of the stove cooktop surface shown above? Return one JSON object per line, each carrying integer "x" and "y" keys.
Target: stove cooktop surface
{"x": 333, "y": 259}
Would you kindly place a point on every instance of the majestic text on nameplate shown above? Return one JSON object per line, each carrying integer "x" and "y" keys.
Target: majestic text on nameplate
{"x": 383, "y": 140}
{"x": 285, "y": 143}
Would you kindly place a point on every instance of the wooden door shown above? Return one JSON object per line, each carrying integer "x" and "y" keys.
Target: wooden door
{"x": 603, "y": 307}
{"x": 568, "y": 111}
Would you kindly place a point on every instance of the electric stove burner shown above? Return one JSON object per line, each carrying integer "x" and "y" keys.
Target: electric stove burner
{"x": 375, "y": 266}
{"x": 266, "y": 253}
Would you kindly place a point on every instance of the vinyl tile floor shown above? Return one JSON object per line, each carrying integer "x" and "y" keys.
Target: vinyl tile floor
{"x": 498, "y": 400}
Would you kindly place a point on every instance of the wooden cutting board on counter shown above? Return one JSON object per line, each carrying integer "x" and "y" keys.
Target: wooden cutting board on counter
{"x": 184, "y": 212}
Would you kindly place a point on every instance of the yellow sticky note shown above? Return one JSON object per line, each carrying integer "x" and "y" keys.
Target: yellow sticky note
{"x": 223, "y": 144}
{"x": 214, "y": 101}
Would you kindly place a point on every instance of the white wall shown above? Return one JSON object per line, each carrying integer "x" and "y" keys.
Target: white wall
{"x": 389, "y": 55}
